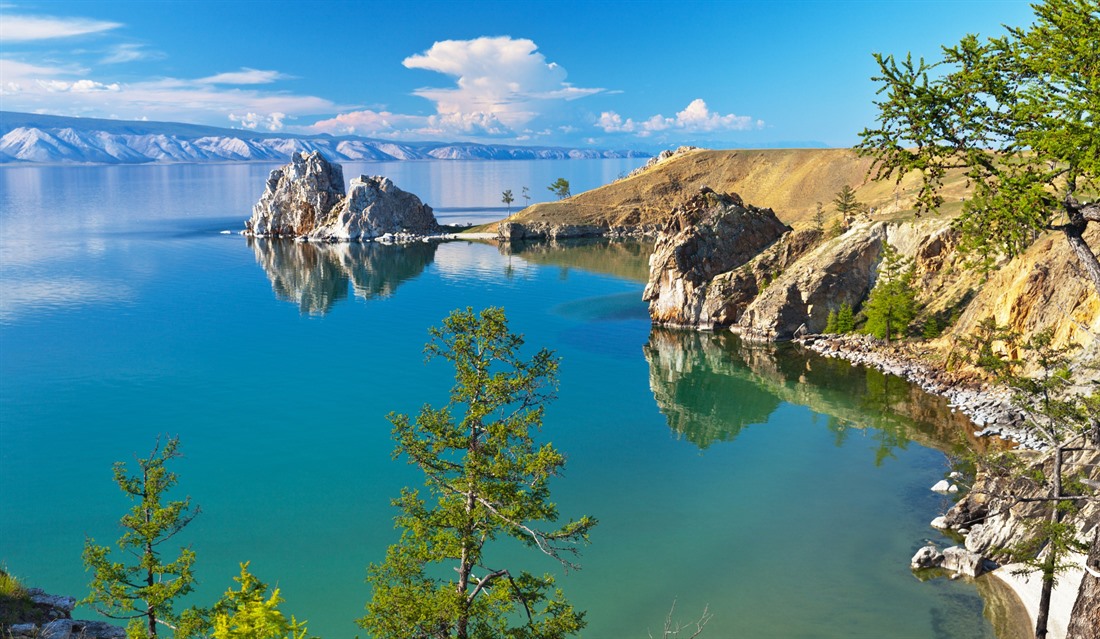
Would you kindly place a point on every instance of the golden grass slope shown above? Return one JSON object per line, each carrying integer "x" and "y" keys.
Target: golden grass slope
{"x": 789, "y": 181}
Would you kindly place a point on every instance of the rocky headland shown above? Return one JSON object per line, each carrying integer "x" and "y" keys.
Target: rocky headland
{"x": 305, "y": 200}
{"x": 775, "y": 274}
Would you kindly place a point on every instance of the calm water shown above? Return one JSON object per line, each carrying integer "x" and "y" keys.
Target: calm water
{"x": 784, "y": 492}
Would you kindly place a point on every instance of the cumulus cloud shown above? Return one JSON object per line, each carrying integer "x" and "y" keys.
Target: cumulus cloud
{"x": 501, "y": 85}
{"x": 80, "y": 86}
{"x": 695, "y": 118}
{"x": 22, "y": 28}
{"x": 244, "y": 76}
{"x": 499, "y": 82}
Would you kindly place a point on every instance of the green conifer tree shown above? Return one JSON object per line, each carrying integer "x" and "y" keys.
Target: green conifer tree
{"x": 845, "y": 319}
{"x": 485, "y": 478}
{"x": 892, "y": 304}
{"x": 145, "y": 590}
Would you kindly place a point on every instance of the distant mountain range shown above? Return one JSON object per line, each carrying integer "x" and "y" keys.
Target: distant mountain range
{"x": 30, "y": 138}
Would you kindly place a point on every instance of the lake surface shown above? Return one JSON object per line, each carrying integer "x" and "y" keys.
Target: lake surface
{"x": 785, "y": 492}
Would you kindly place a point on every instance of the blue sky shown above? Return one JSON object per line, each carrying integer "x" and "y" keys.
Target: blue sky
{"x": 646, "y": 75}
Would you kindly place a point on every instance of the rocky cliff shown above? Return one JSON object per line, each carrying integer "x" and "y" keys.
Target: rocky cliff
{"x": 708, "y": 235}
{"x": 305, "y": 199}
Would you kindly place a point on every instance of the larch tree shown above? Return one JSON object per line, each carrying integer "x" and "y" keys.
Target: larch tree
{"x": 847, "y": 205}
{"x": 892, "y": 304}
{"x": 485, "y": 478}
{"x": 507, "y": 198}
{"x": 1017, "y": 114}
{"x": 144, "y": 591}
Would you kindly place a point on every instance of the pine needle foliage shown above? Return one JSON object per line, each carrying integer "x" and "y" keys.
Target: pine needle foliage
{"x": 893, "y": 302}
{"x": 485, "y": 478}
{"x": 1017, "y": 114}
{"x": 252, "y": 613}
{"x": 144, "y": 590}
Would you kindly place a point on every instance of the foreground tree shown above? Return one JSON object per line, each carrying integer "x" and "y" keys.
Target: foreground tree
{"x": 145, "y": 590}
{"x": 1016, "y": 113}
{"x": 1066, "y": 421}
{"x": 486, "y": 478}
{"x": 252, "y": 613}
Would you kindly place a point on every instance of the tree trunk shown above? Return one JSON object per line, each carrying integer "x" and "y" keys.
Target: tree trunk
{"x": 1075, "y": 235}
{"x": 1051, "y": 563}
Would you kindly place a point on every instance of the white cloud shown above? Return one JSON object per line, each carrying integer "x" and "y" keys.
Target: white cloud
{"x": 75, "y": 91}
{"x": 252, "y": 121}
{"x": 502, "y": 80}
{"x": 695, "y": 118}
{"x": 80, "y": 86}
{"x": 130, "y": 52}
{"x": 19, "y": 28}
{"x": 244, "y": 76}
{"x": 370, "y": 123}
{"x": 501, "y": 84}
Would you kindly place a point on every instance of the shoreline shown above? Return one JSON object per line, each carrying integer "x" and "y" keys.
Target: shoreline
{"x": 990, "y": 409}
{"x": 992, "y": 412}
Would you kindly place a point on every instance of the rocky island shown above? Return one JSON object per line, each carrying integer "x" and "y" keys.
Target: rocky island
{"x": 305, "y": 200}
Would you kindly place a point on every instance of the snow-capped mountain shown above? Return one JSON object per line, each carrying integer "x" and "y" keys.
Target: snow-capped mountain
{"x": 26, "y": 137}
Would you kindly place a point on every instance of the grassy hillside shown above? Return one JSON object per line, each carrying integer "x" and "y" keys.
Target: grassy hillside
{"x": 789, "y": 181}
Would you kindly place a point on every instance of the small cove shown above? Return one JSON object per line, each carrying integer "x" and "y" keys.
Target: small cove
{"x": 785, "y": 491}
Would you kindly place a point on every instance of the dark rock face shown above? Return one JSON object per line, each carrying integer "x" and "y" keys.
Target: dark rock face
{"x": 709, "y": 235}
{"x": 730, "y": 293}
{"x": 305, "y": 199}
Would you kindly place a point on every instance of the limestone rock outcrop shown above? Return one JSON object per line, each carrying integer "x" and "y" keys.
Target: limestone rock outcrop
{"x": 297, "y": 197}
{"x": 710, "y": 234}
{"x": 375, "y": 207}
{"x": 841, "y": 271}
{"x": 305, "y": 199}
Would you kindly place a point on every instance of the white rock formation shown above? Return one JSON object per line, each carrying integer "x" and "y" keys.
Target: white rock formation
{"x": 375, "y": 207}
{"x": 305, "y": 199}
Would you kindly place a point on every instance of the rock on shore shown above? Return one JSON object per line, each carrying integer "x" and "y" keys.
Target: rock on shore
{"x": 305, "y": 200}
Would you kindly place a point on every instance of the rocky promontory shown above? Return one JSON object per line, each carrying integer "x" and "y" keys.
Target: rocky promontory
{"x": 305, "y": 200}
{"x": 710, "y": 234}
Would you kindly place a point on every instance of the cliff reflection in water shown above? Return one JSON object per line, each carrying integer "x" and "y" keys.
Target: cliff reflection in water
{"x": 710, "y": 386}
{"x": 317, "y": 276}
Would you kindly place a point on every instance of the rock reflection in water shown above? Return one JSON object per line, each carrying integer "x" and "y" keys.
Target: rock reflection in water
{"x": 694, "y": 382}
{"x": 711, "y": 385}
{"x": 317, "y": 276}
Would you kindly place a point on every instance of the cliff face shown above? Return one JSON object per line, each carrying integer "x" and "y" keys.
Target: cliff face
{"x": 841, "y": 271}
{"x": 710, "y": 234}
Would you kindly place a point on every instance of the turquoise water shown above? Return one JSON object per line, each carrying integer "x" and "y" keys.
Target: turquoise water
{"x": 786, "y": 493}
